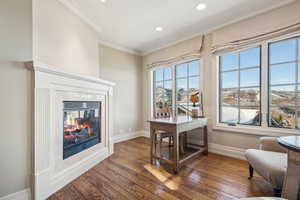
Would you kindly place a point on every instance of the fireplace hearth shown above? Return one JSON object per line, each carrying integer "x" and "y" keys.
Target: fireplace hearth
{"x": 81, "y": 126}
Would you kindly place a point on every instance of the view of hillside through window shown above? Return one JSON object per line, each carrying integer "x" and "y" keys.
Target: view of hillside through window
{"x": 163, "y": 92}
{"x": 240, "y": 75}
{"x": 172, "y": 93}
{"x": 240, "y": 87}
{"x": 284, "y": 80}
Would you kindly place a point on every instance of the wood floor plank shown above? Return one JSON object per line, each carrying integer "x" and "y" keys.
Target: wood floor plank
{"x": 88, "y": 190}
{"x": 129, "y": 186}
{"x": 128, "y": 175}
{"x": 69, "y": 193}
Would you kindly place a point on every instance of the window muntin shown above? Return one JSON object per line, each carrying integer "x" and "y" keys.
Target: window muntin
{"x": 240, "y": 87}
{"x": 284, "y": 82}
{"x": 163, "y": 92}
{"x": 186, "y": 81}
{"x": 187, "y": 84}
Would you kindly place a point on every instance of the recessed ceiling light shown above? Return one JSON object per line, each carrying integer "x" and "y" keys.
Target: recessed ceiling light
{"x": 201, "y": 6}
{"x": 159, "y": 28}
{"x": 103, "y": 1}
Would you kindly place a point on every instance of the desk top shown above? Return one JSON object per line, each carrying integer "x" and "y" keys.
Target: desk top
{"x": 179, "y": 120}
{"x": 290, "y": 142}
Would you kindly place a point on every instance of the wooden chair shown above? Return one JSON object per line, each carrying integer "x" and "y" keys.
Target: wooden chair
{"x": 161, "y": 135}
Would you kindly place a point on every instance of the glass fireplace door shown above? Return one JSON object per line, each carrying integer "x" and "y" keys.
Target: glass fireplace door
{"x": 82, "y": 125}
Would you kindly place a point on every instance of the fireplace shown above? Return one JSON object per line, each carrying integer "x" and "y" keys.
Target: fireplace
{"x": 73, "y": 126}
{"x": 82, "y": 125}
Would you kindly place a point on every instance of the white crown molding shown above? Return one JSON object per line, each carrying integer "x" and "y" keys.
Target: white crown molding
{"x": 97, "y": 29}
{"x": 20, "y": 195}
{"x": 120, "y": 48}
{"x": 81, "y": 15}
{"x": 42, "y": 67}
{"x": 283, "y": 3}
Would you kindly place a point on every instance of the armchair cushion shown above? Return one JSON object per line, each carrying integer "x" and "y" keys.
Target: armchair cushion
{"x": 270, "y": 165}
{"x": 270, "y": 144}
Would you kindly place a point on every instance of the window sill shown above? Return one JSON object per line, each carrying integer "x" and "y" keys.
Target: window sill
{"x": 258, "y": 131}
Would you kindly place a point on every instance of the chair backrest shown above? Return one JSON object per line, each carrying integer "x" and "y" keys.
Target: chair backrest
{"x": 163, "y": 113}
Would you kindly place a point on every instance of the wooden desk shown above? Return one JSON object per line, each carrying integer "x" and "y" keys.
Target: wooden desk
{"x": 292, "y": 178}
{"x": 176, "y": 126}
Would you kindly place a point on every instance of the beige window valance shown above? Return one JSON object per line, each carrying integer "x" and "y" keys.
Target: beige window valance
{"x": 189, "y": 55}
{"x": 242, "y": 43}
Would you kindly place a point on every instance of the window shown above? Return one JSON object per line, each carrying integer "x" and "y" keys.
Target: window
{"x": 163, "y": 91}
{"x": 261, "y": 86}
{"x": 240, "y": 87}
{"x": 284, "y": 82}
{"x": 173, "y": 87}
{"x": 187, "y": 84}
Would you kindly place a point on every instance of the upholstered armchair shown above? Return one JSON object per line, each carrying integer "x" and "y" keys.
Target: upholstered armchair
{"x": 270, "y": 161}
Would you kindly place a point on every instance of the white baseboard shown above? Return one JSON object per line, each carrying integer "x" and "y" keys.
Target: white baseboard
{"x": 128, "y": 136}
{"x": 21, "y": 195}
{"x": 145, "y": 134}
{"x": 227, "y": 151}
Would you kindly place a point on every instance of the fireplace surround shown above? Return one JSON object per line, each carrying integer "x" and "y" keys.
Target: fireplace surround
{"x": 72, "y": 126}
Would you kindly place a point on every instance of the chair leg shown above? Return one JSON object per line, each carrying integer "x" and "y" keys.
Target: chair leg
{"x": 250, "y": 172}
{"x": 277, "y": 192}
{"x": 181, "y": 143}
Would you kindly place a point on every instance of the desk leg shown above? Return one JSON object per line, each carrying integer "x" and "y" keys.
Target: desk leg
{"x": 205, "y": 140}
{"x": 152, "y": 143}
{"x": 176, "y": 151}
{"x": 292, "y": 178}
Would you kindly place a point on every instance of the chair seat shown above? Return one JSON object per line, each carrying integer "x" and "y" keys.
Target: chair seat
{"x": 270, "y": 165}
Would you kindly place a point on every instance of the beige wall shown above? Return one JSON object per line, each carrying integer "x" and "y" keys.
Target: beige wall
{"x": 16, "y": 30}
{"x": 63, "y": 40}
{"x": 263, "y": 23}
{"x": 15, "y": 103}
{"x": 126, "y": 71}
{"x": 15, "y": 123}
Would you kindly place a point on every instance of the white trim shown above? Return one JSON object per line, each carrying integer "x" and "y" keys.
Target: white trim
{"x": 128, "y": 136}
{"x": 227, "y": 151}
{"x": 258, "y": 131}
{"x": 120, "y": 48}
{"x": 96, "y": 28}
{"x": 20, "y": 195}
{"x": 42, "y": 67}
{"x": 81, "y": 15}
{"x": 145, "y": 134}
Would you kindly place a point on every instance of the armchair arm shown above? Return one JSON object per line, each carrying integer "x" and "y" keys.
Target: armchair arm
{"x": 270, "y": 144}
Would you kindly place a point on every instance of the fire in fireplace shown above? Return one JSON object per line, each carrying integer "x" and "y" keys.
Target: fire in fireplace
{"x": 82, "y": 122}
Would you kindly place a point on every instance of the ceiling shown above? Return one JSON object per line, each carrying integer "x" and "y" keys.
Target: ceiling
{"x": 130, "y": 24}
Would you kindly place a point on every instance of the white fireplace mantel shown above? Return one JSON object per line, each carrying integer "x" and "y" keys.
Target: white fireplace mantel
{"x": 51, "y": 87}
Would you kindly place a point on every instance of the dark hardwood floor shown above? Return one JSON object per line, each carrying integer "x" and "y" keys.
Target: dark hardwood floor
{"x": 128, "y": 175}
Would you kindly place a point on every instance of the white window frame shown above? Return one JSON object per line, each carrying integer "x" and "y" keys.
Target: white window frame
{"x": 239, "y": 69}
{"x": 264, "y": 129}
{"x": 173, "y": 67}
